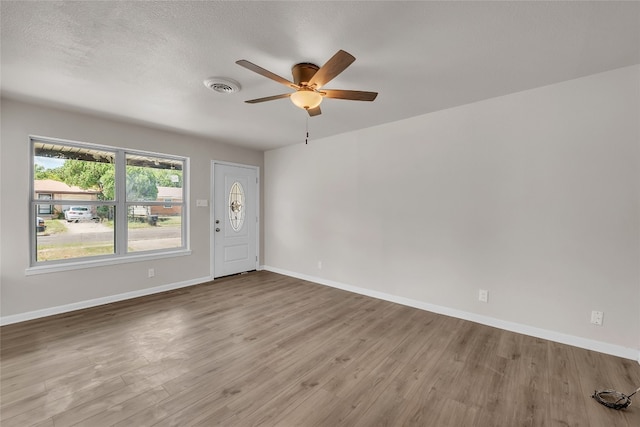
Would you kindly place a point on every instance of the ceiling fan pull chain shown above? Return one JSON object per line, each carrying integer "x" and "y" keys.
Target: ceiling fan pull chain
{"x": 306, "y": 140}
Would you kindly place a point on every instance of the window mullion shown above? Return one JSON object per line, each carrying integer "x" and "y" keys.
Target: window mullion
{"x": 121, "y": 206}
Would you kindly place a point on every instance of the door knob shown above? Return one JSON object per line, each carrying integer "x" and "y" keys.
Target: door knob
{"x": 217, "y": 229}
{"x": 217, "y": 221}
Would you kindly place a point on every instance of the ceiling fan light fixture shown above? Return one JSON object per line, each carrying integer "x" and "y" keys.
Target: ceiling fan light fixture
{"x": 306, "y": 99}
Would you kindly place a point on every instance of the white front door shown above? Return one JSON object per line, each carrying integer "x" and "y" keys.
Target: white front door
{"x": 235, "y": 217}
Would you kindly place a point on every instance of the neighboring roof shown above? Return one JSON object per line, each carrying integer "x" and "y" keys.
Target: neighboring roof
{"x": 169, "y": 192}
{"x": 52, "y": 186}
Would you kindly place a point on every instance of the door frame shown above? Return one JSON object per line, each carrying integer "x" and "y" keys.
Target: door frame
{"x": 212, "y": 249}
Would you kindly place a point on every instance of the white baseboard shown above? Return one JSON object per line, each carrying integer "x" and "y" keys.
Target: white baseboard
{"x": 602, "y": 347}
{"x": 36, "y": 314}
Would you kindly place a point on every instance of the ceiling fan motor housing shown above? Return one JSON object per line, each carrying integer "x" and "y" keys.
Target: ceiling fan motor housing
{"x": 303, "y": 72}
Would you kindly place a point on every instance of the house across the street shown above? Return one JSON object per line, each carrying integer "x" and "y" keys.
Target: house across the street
{"x": 49, "y": 190}
{"x": 167, "y": 194}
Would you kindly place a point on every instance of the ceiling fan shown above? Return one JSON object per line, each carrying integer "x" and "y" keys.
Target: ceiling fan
{"x": 308, "y": 79}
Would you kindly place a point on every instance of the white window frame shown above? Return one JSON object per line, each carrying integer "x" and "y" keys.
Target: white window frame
{"x": 120, "y": 255}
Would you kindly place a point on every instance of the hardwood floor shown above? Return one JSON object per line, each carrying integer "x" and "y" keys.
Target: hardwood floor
{"x": 266, "y": 349}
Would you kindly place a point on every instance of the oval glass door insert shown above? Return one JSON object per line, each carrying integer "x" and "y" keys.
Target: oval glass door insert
{"x": 236, "y": 206}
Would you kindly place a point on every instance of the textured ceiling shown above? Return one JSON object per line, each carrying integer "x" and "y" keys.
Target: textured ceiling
{"x": 146, "y": 61}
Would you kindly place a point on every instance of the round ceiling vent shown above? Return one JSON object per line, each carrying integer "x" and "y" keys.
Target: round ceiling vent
{"x": 222, "y": 85}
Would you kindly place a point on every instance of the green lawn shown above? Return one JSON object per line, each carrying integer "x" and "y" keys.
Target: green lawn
{"x": 55, "y": 226}
{"x": 165, "y": 221}
{"x": 72, "y": 250}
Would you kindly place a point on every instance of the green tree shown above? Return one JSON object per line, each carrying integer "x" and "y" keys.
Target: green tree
{"x": 141, "y": 184}
{"x": 86, "y": 175}
{"x": 107, "y": 184}
{"x": 168, "y": 177}
{"x": 83, "y": 174}
{"x": 40, "y": 172}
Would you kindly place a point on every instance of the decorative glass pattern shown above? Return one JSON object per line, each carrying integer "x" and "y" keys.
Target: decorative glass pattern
{"x": 236, "y": 206}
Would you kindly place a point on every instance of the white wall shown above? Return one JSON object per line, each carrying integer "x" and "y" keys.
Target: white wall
{"x": 533, "y": 196}
{"x": 41, "y": 294}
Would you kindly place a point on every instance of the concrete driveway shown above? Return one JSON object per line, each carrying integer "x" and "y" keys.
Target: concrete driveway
{"x": 93, "y": 232}
{"x": 86, "y": 227}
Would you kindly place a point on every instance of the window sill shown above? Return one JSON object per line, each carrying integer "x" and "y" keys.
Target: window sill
{"x": 78, "y": 265}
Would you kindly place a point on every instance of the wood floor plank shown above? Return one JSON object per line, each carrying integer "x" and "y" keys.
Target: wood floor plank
{"x": 41, "y": 407}
{"x": 528, "y": 407}
{"x": 123, "y": 410}
{"x": 105, "y": 404}
{"x": 266, "y": 349}
{"x": 304, "y": 413}
{"x": 564, "y": 379}
{"x": 212, "y": 401}
{"x": 28, "y": 391}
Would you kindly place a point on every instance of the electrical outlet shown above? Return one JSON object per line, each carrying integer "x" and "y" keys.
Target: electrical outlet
{"x": 319, "y": 265}
{"x": 483, "y": 295}
{"x": 596, "y": 317}
{"x": 152, "y": 272}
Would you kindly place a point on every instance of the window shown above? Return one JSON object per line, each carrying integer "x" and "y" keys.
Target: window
{"x": 236, "y": 206}
{"x": 45, "y": 209}
{"x": 104, "y": 203}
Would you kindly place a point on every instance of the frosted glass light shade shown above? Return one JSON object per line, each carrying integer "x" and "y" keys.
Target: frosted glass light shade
{"x": 306, "y": 99}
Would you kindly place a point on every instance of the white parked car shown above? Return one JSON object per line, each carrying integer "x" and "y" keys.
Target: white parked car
{"x": 78, "y": 213}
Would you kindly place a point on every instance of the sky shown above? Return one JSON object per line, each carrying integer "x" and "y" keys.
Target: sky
{"x": 48, "y": 162}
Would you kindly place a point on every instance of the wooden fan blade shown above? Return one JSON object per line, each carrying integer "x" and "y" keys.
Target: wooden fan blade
{"x": 314, "y": 111}
{"x": 268, "y": 98}
{"x": 334, "y": 66}
{"x": 266, "y": 73}
{"x": 353, "y": 95}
